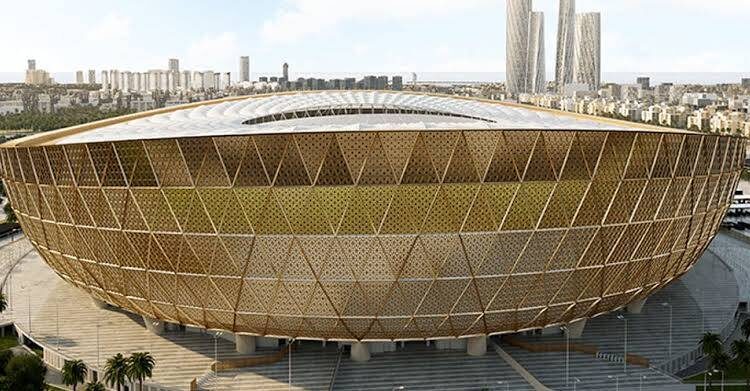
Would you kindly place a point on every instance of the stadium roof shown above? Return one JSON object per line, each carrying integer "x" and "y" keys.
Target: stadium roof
{"x": 331, "y": 111}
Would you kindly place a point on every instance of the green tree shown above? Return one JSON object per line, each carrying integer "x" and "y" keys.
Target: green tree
{"x": 140, "y": 367}
{"x": 741, "y": 352}
{"x": 5, "y": 357}
{"x": 10, "y": 214}
{"x": 98, "y": 386}
{"x": 3, "y": 302}
{"x": 116, "y": 371}
{"x": 711, "y": 343}
{"x": 74, "y": 372}
{"x": 25, "y": 373}
{"x": 746, "y": 325}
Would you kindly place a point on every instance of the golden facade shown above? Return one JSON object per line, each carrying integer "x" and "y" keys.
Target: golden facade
{"x": 375, "y": 235}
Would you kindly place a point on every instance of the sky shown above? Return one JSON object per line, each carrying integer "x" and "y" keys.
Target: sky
{"x": 357, "y": 36}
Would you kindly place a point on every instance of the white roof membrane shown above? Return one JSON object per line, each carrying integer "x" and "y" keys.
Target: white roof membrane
{"x": 441, "y": 113}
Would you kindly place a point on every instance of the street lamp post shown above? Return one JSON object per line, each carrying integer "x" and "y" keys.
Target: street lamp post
{"x": 216, "y": 352}
{"x": 617, "y": 381}
{"x": 97, "y": 341}
{"x": 567, "y": 355}
{"x": 640, "y": 383}
{"x": 670, "y": 328}
{"x": 575, "y": 381}
{"x": 625, "y": 345}
{"x": 291, "y": 341}
{"x": 507, "y": 385}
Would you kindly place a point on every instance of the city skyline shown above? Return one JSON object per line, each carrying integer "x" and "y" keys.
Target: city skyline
{"x": 265, "y": 37}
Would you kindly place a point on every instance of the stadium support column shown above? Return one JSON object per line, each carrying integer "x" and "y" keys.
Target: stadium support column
{"x": 476, "y": 346}
{"x": 153, "y": 325}
{"x": 575, "y": 329}
{"x": 245, "y": 344}
{"x": 360, "y": 352}
{"x": 102, "y": 305}
{"x": 635, "y": 307}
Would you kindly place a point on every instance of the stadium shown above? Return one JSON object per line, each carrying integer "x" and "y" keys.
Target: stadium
{"x": 366, "y": 216}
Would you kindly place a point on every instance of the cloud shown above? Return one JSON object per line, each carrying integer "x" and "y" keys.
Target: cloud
{"x": 111, "y": 27}
{"x": 302, "y": 18}
{"x": 212, "y": 49}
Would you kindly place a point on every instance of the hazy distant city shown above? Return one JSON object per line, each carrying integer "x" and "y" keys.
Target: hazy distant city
{"x": 576, "y": 85}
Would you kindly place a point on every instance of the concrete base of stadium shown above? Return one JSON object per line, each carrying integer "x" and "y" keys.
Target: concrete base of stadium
{"x": 153, "y": 325}
{"x": 360, "y": 352}
{"x": 476, "y": 346}
{"x": 245, "y": 344}
{"x": 636, "y": 307}
{"x": 100, "y": 303}
{"x": 575, "y": 329}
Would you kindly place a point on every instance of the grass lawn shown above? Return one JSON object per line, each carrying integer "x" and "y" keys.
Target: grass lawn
{"x": 733, "y": 375}
{"x": 8, "y": 342}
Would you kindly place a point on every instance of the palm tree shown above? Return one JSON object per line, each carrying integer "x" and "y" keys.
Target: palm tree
{"x": 712, "y": 347}
{"x": 98, "y": 386}
{"x": 74, "y": 372}
{"x": 116, "y": 371}
{"x": 741, "y": 352}
{"x": 746, "y": 329}
{"x": 140, "y": 367}
{"x": 719, "y": 361}
{"x": 711, "y": 343}
{"x": 3, "y": 302}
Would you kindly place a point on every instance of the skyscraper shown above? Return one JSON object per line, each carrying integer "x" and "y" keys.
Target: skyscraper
{"x": 174, "y": 65}
{"x": 588, "y": 51}
{"x": 92, "y": 76}
{"x": 285, "y": 71}
{"x": 31, "y": 65}
{"x": 565, "y": 44}
{"x": 244, "y": 69}
{"x": 517, "y": 44}
{"x": 79, "y": 77}
{"x": 535, "y": 70}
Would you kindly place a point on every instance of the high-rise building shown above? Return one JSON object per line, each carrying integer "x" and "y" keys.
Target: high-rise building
{"x": 517, "y": 44}
{"x": 185, "y": 81}
{"x": 244, "y": 69}
{"x": 226, "y": 80}
{"x": 588, "y": 51}
{"x": 397, "y": 83}
{"x": 174, "y": 65}
{"x": 535, "y": 70}
{"x": 92, "y": 76}
{"x": 565, "y": 44}
{"x": 745, "y": 82}
{"x": 105, "y": 81}
{"x": 31, "y": 65}
{"x": 644, "y": 82}
{"x": 79, "y": 77}
{"x": 285, "y": 71}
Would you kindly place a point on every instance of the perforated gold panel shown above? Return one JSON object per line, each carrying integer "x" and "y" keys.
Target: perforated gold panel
{"x": 375, "y": 235}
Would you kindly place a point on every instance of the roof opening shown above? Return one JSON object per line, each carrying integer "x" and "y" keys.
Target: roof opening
{"x": 354, "y": 110}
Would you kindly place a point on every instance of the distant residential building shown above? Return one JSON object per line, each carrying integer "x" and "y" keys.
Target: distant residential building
{"x": 244, "y": 69}
{"x": 174, "y": 65}
{"x": 397, "y": 83}
{"x": 11, "y": 106}
{"x": 105, "y": 81}
{"x": 699, "y": 99}
{"x": 92, "y": 76}
{"x": 79, "y": 77}
{"x": 645, "y": 82}
{"x": 36, "y": 76}
{"x": 565, "y": 44}
{"x": 285, "y": 71}
{"x": 745, "y": 83}
{"x": 381, "y": 83}
{"x": 588, "y": 49}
